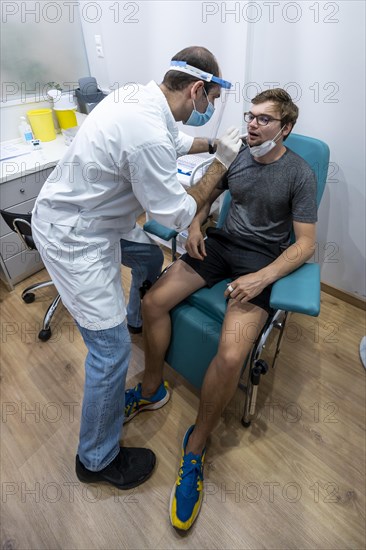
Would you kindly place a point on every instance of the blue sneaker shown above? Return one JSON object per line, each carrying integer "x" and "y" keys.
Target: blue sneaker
{"x": 187, "y": 493}
{"x": 135, "y": 402}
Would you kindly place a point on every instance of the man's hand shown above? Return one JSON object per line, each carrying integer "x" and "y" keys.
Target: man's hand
{"x": 228, "y": 147}
{"x": 195, "y": 245}
{"x": 246, "y": 287}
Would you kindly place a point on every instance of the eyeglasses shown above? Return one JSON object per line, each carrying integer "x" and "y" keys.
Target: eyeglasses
{"x": 262, "y": 120}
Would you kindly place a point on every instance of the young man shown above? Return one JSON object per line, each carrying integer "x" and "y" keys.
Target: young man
{"x": 273, "y": 190}
{"x": 121, "y": 163}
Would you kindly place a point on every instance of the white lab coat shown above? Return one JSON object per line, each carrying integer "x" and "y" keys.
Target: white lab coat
{"x": 122, "y": 162}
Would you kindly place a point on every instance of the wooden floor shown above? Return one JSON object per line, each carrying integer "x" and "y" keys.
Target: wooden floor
{"x": 294, "y": 479}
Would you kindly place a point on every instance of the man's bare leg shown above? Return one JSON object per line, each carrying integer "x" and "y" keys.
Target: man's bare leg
{"x": 176, "y": 284}
{"x": 241, "y": 327}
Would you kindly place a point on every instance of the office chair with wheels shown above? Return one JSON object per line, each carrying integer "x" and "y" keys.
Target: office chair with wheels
{"x": 21, "y": 224}
{"x": 199, "y": 317}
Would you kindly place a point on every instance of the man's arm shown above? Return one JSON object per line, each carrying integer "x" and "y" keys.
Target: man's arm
{"x": 249, "y": 286}
{"x": 206, "y": 186}
{"x": 202, "y": 145}
{"x": 227, "y": 149}
{"x": 295, "y": 255}
{"x": 166, "y": 200}
{"x": 195, "y": 245}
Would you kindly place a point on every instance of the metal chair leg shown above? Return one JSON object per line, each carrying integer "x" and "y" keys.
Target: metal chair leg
{"x": 257, "y": 366}
{"x": 174, "y": 249}
{"x": 45, "y": 333}
{"x": 248, "y": 396}
{"x": 281, "y": 326}
{"x": 28, "y": 294}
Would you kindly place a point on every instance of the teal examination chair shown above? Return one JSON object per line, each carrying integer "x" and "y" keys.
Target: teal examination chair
{"x": 196, "y": 322}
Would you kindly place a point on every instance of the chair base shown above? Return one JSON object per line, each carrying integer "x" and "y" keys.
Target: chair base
{"x": 258, "y": 367}
{"x": 28, "y": 296}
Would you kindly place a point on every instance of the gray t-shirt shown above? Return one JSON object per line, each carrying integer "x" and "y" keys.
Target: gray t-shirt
{"x": 267, "y": 198}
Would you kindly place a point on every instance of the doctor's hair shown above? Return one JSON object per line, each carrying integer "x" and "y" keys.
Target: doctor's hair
{"x": 198, "y": 57}
{"x": 287, "y": 108}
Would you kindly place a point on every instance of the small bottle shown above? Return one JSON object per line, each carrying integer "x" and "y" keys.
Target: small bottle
{"x": 25, "y": 130}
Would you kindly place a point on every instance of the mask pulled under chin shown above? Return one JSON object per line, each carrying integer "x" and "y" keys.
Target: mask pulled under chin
{"x": 265, "y": 147}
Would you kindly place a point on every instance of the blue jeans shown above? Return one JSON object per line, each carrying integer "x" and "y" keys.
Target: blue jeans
{"x": 145, "y": 261}
{"x": 104, "y": 394}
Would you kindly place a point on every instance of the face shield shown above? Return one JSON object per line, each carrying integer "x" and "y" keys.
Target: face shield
{"x": 212, "y": 126}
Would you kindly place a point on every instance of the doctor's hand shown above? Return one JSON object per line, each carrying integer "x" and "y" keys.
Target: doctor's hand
{"x": 195, "y": 244}
{"x": 228, "y": 147}
{"x": 245, "y": 288}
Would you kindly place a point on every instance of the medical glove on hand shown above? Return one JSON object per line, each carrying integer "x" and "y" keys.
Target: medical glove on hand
{"x": 228, "y": 147}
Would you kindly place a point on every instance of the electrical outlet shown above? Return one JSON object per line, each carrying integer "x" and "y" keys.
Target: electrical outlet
{"x": 100, "y": 52}
{"x": 98, "y": 45}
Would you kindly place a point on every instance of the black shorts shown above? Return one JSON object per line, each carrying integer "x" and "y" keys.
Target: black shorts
{"x": 229, "y": 257}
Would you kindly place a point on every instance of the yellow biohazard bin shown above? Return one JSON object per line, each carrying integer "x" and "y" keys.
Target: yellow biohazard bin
{"x": 66, "y": 118}
{"x": 42, "y": 125}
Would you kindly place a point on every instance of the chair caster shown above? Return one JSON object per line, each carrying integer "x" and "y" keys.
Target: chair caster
{"x": 246, "y": 424}
{"x": 45, "y": 334}
{"x": 29, "y": 297}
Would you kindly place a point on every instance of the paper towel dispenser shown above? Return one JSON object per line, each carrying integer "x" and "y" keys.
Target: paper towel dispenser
{"x": 88, "y": 94}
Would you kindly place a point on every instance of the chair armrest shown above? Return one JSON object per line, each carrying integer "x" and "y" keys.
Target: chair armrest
{"x": 160, "y": 230}
{"x": 299, "y": 291}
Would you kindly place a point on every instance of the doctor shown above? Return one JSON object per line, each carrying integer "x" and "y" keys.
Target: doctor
{"x": 122, "y": 163}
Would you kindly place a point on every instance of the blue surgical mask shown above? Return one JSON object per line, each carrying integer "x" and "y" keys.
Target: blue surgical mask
{"x": 199, "y": 119}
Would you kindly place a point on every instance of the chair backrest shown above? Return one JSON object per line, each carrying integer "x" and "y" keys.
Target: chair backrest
{"x": 21, "y": 224}
{"x": 316, "y": 154}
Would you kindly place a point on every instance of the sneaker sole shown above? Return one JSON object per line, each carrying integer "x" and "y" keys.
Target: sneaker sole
{"x": 123, "y": 487}
{"x": 152, "y": 407}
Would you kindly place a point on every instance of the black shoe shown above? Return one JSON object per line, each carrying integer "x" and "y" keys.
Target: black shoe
{"x": 131, "y": 467}
{"x": 134, "y": 330}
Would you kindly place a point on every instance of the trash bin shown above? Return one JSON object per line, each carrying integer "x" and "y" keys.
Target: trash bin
{"x": 66, "y": 118}
{"x": 42, "y": 125}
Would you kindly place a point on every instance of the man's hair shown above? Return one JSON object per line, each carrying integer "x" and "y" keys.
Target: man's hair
{"x": 288, "y": 110}
{"x": 198, "y": 57}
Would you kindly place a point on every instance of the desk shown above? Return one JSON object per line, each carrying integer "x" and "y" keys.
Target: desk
{"x": 21, "y": 179}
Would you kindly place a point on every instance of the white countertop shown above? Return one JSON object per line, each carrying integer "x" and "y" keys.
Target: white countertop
{"x": 20, "y": 166}
{"x": 52, "y": 151}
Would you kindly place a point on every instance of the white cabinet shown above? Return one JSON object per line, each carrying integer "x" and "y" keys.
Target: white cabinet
{"x": 18, "y": 196}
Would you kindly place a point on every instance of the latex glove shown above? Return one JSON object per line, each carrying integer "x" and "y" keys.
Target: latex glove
{"x": 228, "y": 146}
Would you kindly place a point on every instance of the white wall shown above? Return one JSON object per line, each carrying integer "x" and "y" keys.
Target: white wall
{"x": 139, "y": 44}
{"x": 322, "y": 53}
{"x": 11, "y": 113}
